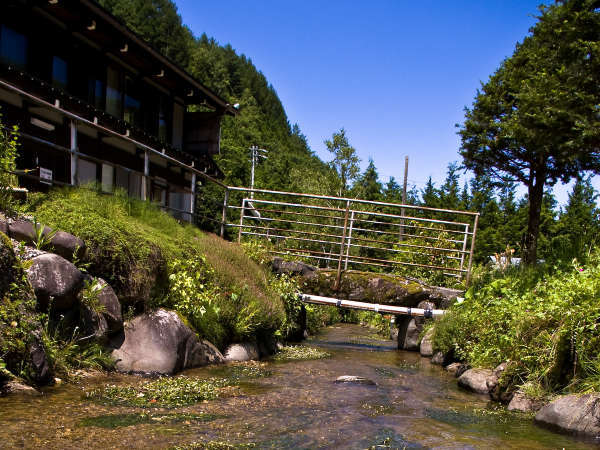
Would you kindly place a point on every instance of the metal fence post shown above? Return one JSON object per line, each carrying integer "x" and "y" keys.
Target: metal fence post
{"x": 241, "y": 220}
{"x": 464, "y": 247}
{"x": 349, "y": 240}
{"x": 224, "y": 214}
{"x": 468, "y": 281}
{"x": 339, "y": 269}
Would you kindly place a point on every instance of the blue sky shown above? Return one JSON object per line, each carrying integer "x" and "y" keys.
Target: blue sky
{"x": 395, "y": 74}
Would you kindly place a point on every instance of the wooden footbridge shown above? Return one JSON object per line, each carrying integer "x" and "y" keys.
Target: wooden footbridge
{"x": 382, "y": 309}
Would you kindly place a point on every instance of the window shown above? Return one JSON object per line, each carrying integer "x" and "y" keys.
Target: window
{"x": 132, "y": 103}
{"x": 164, "y": 118}
{"x": 13, "y": 47}
{"x": 108, "y": 177}
{"x": 59, "y": 72}
{"x": 114, "y": 101}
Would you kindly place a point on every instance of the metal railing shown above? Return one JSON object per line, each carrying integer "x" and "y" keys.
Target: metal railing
{"x": 353, "y": 233}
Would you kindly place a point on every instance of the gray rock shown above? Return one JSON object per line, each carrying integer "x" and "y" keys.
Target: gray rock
{"x": 426, "y": 348}
{"x": 24, "y": 231}
{"x": 62, "y": 243}
{"x": 280, "y": 266}
{"x": 443, "y": 297}
{"x": 14, "y": 387}
{"x": 3, "y": 225}
{"x": 453, "y": 368}
{"x": 475, "y": 380}
{"x": 53, "y": 276}
{"x": 39, "y": 360}
{"x": 498, "y": 392}
{"x": 355, "y": 379}
{"x": 573, "y": 414}
{"x": 160, "y": 343}
{"x": 438, "y": 359}
{"x": 520, "y": 402}
{"x": 104, "y": 318}
{"x": 242, "y": 352}
{"x": 67, "y": 245}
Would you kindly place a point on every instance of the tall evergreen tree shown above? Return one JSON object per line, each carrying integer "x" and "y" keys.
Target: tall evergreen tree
{"x": 536, "y": 120}
{"x": 368, "y": 186}
{"x": 578, "y": 228}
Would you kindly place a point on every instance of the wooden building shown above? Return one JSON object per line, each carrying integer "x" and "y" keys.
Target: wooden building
{"x": 95, "y": 103}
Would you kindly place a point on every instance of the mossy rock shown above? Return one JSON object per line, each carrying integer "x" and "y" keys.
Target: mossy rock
{"x": 368, "y": 287}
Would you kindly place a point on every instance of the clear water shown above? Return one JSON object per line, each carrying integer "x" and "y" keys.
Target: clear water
{"x": 413, "y": 405}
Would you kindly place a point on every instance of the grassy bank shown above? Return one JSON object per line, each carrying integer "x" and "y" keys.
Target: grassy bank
{"x": 545, "y": 322}
{"x": 152, "y": 261}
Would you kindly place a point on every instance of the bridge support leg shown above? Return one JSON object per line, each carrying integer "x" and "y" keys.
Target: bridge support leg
{"x": 302, "y": 321}
{"x": 404, "y": 325}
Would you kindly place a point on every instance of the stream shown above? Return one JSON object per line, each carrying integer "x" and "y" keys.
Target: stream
{"x": 414, "y": 404}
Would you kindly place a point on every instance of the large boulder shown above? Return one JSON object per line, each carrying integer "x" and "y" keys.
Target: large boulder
{"x": 67, "y": 245}
{"x": 62, "y": 243}
{"x": 367, "y": 287}
{"x": 160, "y": 343}
{"x": 242, "y": 352}
{"x": 573, "y": 414}
{"x": 52, "y": 276}
{"x": 476, "y": 380}
{"x": 101, "y": 315}
{"x": 280, "y": 266}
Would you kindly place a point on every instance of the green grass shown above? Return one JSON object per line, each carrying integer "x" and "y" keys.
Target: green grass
{"x": 138, "y": 249}
{"x": 542, "y": 321}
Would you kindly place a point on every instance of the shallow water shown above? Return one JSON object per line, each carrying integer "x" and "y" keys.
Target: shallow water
{"x": 413, "y": 405}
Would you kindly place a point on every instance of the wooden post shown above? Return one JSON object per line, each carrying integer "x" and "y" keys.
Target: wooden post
{"x": 146, "y": 177}
{"x": 224, "y": 214}
{"x": 339, "y": 269}
{"x": 468, "y": 281}
{"x": 74, "y": 157}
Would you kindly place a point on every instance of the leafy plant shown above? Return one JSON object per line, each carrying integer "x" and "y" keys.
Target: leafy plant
{"x": 41, "y": 238}
{"x": 90, "y": 295}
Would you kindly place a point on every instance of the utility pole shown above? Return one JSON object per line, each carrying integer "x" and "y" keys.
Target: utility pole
{"x": 402, "y": 210}
{"x": 254, "y": 150}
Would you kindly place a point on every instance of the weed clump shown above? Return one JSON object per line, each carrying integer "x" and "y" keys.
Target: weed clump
{"x": 299, "y": 353}
{"x": 163, "y": 392}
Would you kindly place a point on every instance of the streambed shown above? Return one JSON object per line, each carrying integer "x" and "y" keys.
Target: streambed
{"x": 293, "y": 404}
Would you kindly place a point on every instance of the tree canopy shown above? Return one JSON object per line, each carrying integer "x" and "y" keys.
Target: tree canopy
{"x": 537, "y": 119}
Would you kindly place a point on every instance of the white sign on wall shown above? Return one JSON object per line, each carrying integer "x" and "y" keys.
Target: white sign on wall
{"x": 45, "y": 176}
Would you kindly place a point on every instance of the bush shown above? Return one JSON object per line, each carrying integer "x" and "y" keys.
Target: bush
{"x": 543, "y": 321}
{"x": 8, "y": 157}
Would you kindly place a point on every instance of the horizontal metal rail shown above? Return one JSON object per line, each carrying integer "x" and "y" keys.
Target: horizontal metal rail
{"x": 382, "y": 309}
{"x": 358, "y": 233}
{"x": 352, "y": 200}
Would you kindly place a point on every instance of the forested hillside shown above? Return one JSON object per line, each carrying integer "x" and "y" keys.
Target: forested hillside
{"x": 292, "y": 166}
